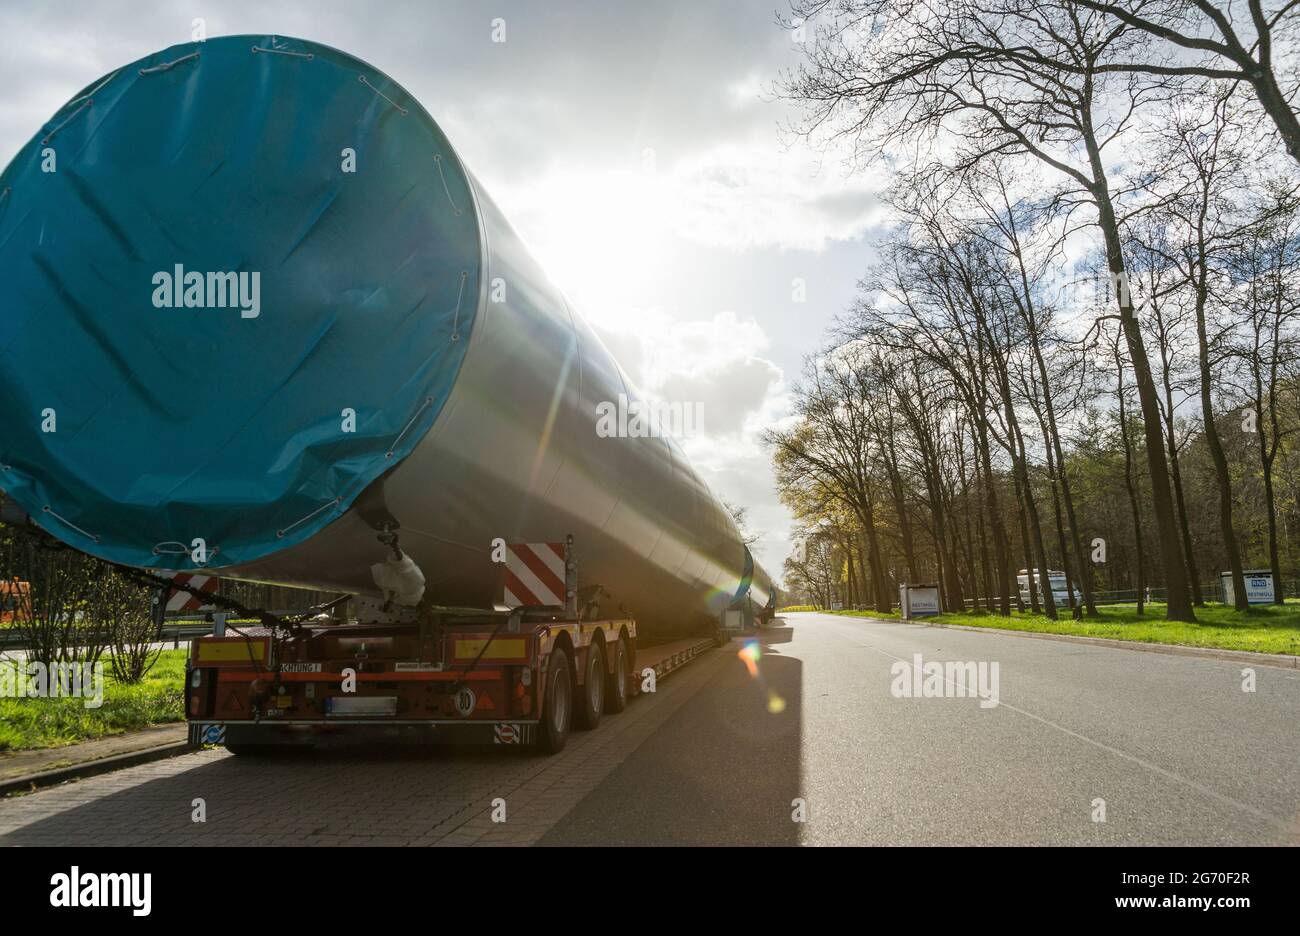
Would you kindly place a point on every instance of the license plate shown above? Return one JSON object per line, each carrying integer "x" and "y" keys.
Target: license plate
{"x": 361, "y": 705}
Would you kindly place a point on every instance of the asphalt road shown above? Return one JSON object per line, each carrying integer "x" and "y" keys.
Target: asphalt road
{"x": 818, "y": 745}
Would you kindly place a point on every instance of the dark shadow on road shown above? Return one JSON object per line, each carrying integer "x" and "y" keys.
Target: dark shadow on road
{"x": 723, "y": 770}
{"x": 775, "y": 635}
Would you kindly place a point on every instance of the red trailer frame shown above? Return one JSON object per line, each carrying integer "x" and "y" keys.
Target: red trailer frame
{"x": 480, "y": 679}
{"x": 520, "y": 676}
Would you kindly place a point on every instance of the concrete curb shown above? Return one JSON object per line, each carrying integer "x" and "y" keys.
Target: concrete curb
{"x": 92, "y": 767}
{"x": 1208, "y": 653}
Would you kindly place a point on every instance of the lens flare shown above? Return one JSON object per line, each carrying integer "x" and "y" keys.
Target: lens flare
{"x": 751, "y": 653}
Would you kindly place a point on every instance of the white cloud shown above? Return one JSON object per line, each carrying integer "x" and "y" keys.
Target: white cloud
{"x": 757, "y": 194}
{"x": 604, "y": 231}
{"x": 717, "y": 362}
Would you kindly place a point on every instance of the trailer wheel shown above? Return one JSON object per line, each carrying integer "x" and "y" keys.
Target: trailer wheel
{"x": 556, "y": 713}
{"x": 616, "y": 691}
{"x": 593, "y": 688}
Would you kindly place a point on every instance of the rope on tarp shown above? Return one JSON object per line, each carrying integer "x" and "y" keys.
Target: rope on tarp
{"x": 68, "y": 523}
{"x": 168, "y": 66}
{"x": 84, "y": 104}
{"x": 428, "y": 401}
{"x": 400, "y": 108}
{"x": 437, "y": 159}
{"x": 334, "y": 503}
{"x": 455, "y": 321}
{"x": 307, "y": 55}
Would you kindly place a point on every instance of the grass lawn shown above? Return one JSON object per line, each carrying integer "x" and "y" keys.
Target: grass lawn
{"x": 44, "y": 723}
{"x": 894, "y": 614}
{"x": 1262, "y": 629}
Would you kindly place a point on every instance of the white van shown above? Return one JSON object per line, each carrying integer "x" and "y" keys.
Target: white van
{"x": 1059, "y": 593}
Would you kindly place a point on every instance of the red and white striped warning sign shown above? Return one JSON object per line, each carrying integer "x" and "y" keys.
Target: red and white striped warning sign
{"x": 182, "y": 602}
{"x": 534, "y": 574}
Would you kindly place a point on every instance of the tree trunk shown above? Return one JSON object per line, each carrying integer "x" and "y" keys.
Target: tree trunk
{"x": 1267, "y": 450}
{"x": 1129, "y": 482}
{"x": 1179, "y": 606}
{"x": 1066, "y": 559}
{"x": 1000, "y": 552}
{"x": 1024, "y": 542}
{"x": 1176, "y": 473}
{"x": 1212, "y": 440}
{"x": 1035, "y": 528}
{"x": 1019, "y": 462}
{"x": 1076, "y": 538}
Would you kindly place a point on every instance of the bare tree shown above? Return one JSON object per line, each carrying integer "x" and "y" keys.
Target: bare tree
{"x": 1266, "y": 264}
{"x": 834, "y": 449}
{"x": 1130, "y": 485}
{"x": 1154, "y": 281}
{"x": 1203, "y": 164}
{"x": 1217, "y": 41}
{"x": 965, "y": 83}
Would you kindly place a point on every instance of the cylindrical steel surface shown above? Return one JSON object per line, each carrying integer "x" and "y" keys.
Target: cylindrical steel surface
{"x": 258, "y": 305}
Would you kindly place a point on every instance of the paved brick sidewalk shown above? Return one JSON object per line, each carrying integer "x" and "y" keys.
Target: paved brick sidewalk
{"x": 25, "y": 763}
{"x": 439, "y": 796}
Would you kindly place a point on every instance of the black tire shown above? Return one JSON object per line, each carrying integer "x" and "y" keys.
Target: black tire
{"x": 557, "y": 710}
{"x": 616, "y": 691}
{"x": 591, "y": 696}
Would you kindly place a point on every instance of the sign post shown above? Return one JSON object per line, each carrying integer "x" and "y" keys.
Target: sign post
{"x": 919, "y": 601}
{"x": 1259, "y": 586}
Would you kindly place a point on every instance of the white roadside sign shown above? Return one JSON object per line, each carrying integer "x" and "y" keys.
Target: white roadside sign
{"x": 919, "y": 600}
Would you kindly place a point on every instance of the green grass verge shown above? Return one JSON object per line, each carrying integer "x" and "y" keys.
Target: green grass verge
{"x": 26, "y": 724}
{"x": 1262, "y": 629}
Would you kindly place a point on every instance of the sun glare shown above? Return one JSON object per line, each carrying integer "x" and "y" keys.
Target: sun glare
{"x": 603, "y": 237}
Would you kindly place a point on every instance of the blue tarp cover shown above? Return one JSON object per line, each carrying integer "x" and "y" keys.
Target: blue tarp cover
{"x": 140, "y": 410}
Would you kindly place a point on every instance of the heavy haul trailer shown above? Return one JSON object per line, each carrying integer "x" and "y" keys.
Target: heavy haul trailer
{"x": 279, "y": 322}
{"x": 470, "y": 677}
{"x": 521, "y": 676}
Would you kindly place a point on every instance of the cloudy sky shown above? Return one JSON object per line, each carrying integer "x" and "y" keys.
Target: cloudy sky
{"x": 635, "y": 146}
